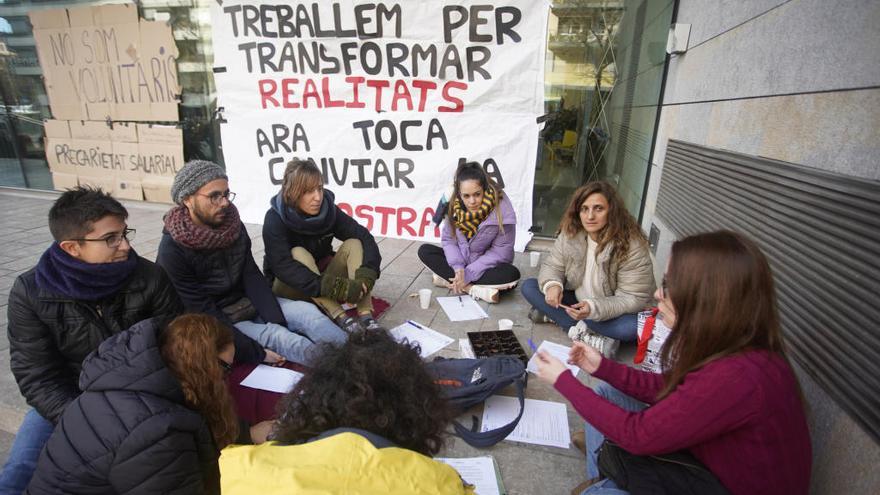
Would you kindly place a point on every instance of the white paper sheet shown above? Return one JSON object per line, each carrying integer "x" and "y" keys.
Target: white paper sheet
{"x": 430, "y": 341}
{"x": 273, "y": 379}
{"x": 558, "y": 351}
{"x": 542, "y": 422}
{"x": 465, "y": 349}
{"x": 477, "y": 471}
{"x": 461, "y": 308}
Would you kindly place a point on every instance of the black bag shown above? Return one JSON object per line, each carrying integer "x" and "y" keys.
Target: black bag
{"x": 240, "y": 310}
{"x": 468, "y": 382}
{"x": 673, "y": 474}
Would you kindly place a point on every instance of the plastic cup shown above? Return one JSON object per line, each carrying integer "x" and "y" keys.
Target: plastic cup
{"x": 534, "y": 258}
{"x": 505, "y": 324}
{"x": 425, "y": 298}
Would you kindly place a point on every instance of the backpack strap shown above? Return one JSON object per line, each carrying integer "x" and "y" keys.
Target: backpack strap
{"x": 489, "y": 438}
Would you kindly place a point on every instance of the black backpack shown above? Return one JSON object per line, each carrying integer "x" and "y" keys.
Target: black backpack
{"x": 468, "y": 382}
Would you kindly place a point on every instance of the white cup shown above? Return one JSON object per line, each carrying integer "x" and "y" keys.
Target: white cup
{"x": 534, "y": 258}
{"x": 425, "y": 298}
{"x": 505, "y": 324}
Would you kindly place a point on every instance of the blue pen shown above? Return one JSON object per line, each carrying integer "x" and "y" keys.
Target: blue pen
{"x": 532, "y": 345}
{"x": 415, "y": 324}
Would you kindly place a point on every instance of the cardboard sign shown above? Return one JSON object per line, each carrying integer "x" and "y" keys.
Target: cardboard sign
{"x": 386, "y": 98}
{"x": 103, "y": 61}
{"x": 125, "y": 160}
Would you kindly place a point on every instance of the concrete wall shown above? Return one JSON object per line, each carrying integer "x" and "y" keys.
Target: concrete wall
{"x": 798, "y": 81}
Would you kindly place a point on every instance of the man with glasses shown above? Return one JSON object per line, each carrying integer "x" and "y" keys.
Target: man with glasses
{"x": 90, "y": 284}
{"x": 206, "y": 251}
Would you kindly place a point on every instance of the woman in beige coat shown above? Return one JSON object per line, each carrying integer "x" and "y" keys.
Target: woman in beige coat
{"x": 598, "y": 272}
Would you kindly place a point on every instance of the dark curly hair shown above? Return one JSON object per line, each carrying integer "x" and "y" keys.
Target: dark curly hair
{"x": 372, "y": 383}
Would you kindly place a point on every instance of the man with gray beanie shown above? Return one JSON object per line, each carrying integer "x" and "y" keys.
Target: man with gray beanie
{"x": 206, "y": 251}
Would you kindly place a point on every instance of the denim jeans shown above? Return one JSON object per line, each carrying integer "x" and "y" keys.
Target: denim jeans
{"x": 594, "y": 439}
{"x": 621, "y": 328}
{"x": 32, "y": 435}
{"x": 306, "y": 326}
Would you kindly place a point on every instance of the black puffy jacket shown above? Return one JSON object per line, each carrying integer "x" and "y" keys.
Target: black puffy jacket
{"x": 50, "y": 334}
{"x": 209, "y": 279}
{"x": 130, "y": 431}
{"x": 315, "y": 235}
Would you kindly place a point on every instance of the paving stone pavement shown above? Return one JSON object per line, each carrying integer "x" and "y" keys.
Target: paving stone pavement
{"x": 525, "y": 469}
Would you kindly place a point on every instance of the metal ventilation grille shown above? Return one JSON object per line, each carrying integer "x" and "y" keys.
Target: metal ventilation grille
{"x": 821, "y": 232}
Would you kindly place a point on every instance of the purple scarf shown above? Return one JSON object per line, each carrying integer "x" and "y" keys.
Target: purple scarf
{"x": 63, "y": 274}
{"x": 184, "y": 231}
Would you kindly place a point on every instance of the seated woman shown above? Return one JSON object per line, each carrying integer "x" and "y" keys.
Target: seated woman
{"x": 368, "y": 415}
{"x": 599, "y": 269}
{"x": 477, "y": 238}
{"x": 153, "y": 415}
{"x": 298, "y": 232}
{"x": 728, "y": 397}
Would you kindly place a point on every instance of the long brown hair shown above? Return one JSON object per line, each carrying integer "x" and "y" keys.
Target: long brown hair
{"x": 190, "y": 346}
{"x": 721, "y": 287}
{"x": 300, "y": 177}
{"x": 621, "y": 229}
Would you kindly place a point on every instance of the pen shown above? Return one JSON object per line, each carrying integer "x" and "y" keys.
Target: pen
{"x": 532, "y": 345}
{"x": 415, "y": 324}
{"x": 459, "y": 301}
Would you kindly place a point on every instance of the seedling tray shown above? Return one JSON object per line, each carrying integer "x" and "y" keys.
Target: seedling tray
{"x": 497, "y": 343}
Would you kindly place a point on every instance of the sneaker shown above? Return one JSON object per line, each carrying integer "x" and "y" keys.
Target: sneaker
{"x": 484, "y": 293}
{"x": 439, "y": 281}
{"x": 538, "y": 316}
{"x": 605, "y": 345}
{"x": 369, "y": 323}
{"x": 349, "y": 324}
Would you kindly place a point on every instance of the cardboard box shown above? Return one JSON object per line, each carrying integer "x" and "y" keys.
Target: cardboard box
{"x": 63, "y": 182}
{"x": 128, "y": 189}
{"x": 106, "y": 184}
{"x": 157, "y": 189}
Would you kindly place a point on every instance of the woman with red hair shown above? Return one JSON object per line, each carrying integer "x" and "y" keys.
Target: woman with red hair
{"x": 153, "y": 415}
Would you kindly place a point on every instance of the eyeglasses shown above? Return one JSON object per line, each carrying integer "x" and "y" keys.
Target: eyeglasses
{"x": 215, "y": 197}
{"x": 114, "y": 240}
{"x": 663, "y": 288}
{"x": 226, "y": 367}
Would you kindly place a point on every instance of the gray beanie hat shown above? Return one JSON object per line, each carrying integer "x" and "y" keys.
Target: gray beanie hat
{"x": 194, "y": 175}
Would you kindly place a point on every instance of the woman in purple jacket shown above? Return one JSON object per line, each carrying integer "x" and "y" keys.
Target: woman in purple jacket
{"x": 477, "y": 239}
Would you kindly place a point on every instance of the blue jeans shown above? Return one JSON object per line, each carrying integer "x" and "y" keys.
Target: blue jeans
{"x": 594, "y": 439}
{"x": 32, "y": 435}
{"x": 621, "y": 328}
{"x": 306, "y": 326}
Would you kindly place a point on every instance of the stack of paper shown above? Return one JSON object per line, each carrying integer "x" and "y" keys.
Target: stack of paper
{"x": 430, "y": 341}
{"x": 542, "y": 422}
{"x": 461, "y": 308}
{"x": 279, "y": 380}
{"x": 482, "y": 472}
{"x": 558, "y": 351}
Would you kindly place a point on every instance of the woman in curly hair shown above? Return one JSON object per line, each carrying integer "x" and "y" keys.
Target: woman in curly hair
{"x": 367, "y": 415}
{"x": 599, "y": 270}
{"x": 153, "y": 415}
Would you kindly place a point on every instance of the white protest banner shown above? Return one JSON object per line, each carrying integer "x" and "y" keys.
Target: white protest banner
{"x": 386, "y": 98}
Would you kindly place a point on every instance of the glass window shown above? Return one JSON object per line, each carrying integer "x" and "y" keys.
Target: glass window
{"x": 604, "y": 71}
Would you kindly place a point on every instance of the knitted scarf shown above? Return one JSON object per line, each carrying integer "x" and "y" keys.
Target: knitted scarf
{"x": 184, "y": 231}
{"x": 468, "y": 222}
{"x": 63, "y": 274}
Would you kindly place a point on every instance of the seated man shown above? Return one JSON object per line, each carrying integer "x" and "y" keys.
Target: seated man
{"x": 206, "y": 251}
{"x": 90, "y": 284}
{"x": 298, "y": 233}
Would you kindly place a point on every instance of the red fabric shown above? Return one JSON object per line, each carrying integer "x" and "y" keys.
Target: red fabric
{"x": 254, "y": 405}
{"x": 741, "y": 416}
{"x": 379, "y": 306}
{"x": 645, "y": 337}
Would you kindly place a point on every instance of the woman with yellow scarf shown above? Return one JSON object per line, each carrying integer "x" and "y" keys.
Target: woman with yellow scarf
{"x": 477, "y": 238}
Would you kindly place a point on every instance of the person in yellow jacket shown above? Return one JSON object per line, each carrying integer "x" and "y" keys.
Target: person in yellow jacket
{"x": 364, "y": 420}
